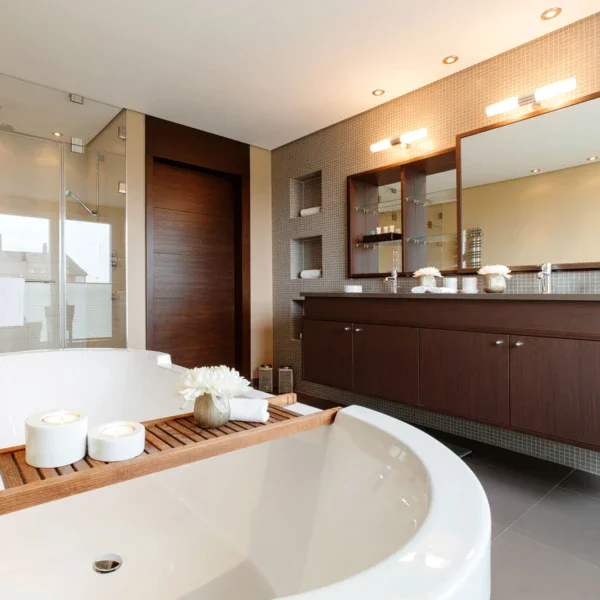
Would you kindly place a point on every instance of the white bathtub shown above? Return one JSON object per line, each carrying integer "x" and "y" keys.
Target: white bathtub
{"x": 368, "y": 508}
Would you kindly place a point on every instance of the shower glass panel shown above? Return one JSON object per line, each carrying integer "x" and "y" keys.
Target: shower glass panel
{"x": 94, "y": 250}
{"x": 30, "y": 202}
{"x": 62, "y": 220}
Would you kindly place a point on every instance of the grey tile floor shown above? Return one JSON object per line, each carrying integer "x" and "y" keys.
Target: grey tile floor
{"x": 545, "y": 526}
{"x": 545, "y": 522}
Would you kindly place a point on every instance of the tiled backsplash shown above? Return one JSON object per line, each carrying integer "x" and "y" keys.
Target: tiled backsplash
{"x": 446, "y": 107}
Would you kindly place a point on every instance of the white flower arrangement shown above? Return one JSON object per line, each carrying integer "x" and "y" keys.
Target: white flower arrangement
{"x": 427, "y": 271}
{"x": 222, "y": 383}
{"x": 495, "y": 270}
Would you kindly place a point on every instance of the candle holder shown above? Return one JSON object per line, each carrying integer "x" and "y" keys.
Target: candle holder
{"x": 116, "y": 441}
{"x": 55, "y": 438}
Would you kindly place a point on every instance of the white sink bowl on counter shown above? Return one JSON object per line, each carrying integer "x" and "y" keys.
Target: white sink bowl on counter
{"x": 369, "y": 507}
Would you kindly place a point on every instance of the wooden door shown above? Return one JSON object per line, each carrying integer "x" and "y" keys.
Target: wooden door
{"x": 464, "y": 373}
{"x": 192, "y": 263}
{"x": 327, "y": 353}
{"x": 555, "y": 387}
{"x": 386, "y": 362}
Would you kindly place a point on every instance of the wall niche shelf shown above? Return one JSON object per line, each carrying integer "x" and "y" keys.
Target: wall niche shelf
{"x": 296, "y": 314}
{"x": 306, "y": 254}
{"x": 306, "y": 191}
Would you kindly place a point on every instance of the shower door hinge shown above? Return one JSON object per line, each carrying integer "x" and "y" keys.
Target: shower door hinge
{"x": 76, "y": 98}
{"x": 77, "y": 145}
{"x": 122, "y": 133}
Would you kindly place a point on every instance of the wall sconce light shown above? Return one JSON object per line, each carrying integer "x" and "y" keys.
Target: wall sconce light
{"x": 403, "y": 140}
{"x": 543, "y": 93}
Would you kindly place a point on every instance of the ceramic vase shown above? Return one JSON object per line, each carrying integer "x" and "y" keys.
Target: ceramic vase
{"x": 494, "y": 284}
{"x": 427, "y": 281}
{"x": 211, "y": 414}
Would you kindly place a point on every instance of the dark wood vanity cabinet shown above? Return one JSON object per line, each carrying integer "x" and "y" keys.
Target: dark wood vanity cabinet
{"x": 555, "y": 387}
{"x": 386, "y": 362}
{"x": 327, "y": 353}
{"x": 465, "y": 357}
{"x": 375, "y": 360}
{"x": 465, "y": 373}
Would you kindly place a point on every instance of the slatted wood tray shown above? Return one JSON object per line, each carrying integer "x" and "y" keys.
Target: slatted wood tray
{"x": 170, "y": 442}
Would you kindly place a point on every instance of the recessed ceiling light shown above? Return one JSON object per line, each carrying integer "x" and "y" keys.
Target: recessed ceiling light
{"x": 592, "y": 158}
{"x": 378, "y": 92}
{"x": 449, "y": 60}
{"x": 535, "y": 170}
{"x": 551, "y": 13}
{"x": 57, "y": 133}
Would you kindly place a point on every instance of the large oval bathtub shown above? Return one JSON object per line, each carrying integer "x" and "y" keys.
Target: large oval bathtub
{"x": 367, "y": 508}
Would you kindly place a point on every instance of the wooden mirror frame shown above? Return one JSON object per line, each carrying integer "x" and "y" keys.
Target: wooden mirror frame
{"x": 444, "y": 160}
{"x": 459, "y": 138}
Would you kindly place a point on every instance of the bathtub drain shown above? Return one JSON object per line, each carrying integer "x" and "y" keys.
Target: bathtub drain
{"x": 107, "y": 563}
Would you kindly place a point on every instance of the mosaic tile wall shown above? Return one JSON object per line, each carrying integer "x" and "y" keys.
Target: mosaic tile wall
{"x": 446, "y": 107}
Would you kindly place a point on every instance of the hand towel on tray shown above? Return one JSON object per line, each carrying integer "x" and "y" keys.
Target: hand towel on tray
{"x": 12, "y": 301}
{"x": 305, "y": 212}
{"x": 310, "y": 274}
{"x": 249, "y": 410}
{"x": 422, "y": 289}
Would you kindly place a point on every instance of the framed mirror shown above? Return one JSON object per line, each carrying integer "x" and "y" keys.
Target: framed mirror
{"x": 529, "y": 190}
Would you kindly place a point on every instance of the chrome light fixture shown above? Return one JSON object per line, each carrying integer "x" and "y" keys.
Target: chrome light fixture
{"x": 543, "y": 93}
{"x": 402, "y": 140}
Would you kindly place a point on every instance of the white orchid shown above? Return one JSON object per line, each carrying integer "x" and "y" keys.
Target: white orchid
{"x": 222, "y": 383}
{"x": 495, "y": 270}
{"x": 427, "y": 272}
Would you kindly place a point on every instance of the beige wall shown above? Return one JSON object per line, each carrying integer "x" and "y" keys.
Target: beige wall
{"x": 549, "y": 217}
{"x": 261, "y": 260}
{"x": 136, "y": 230}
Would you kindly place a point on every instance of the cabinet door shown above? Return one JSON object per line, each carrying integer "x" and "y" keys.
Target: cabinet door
{"x": 465, "y": 374}
{"x": 386, "y": 362}
{"x": 555, "y": 387}
{"x": 327, "y": 353}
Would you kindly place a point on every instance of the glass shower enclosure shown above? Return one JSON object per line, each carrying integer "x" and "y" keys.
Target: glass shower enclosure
{"x": 62, "y": 225}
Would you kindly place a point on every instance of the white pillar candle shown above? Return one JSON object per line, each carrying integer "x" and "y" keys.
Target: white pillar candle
{"x": 119, "y": 440}
{"x": 55, "y": 438}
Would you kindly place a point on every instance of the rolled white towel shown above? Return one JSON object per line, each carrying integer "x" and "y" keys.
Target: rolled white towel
{"x": 422, "y": 289}
{"x": 441, "y": 290}
{"x": 310, "y": 274}
{"x": 305, "y": 212}
{"x": 249, "y": 410}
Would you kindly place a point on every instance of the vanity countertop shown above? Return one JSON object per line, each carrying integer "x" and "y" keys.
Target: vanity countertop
{"x": 459, "y": 296}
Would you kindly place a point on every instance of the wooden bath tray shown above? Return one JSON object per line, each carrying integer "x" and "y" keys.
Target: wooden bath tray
{"x": 170, "y": 442}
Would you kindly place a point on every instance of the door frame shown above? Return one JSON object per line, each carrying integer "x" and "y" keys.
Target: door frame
{"x": 177, "y": 144}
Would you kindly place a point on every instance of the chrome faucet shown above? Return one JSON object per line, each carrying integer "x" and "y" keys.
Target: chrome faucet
{"x": 546, "y": 276}
{"x": 394, "y": 279}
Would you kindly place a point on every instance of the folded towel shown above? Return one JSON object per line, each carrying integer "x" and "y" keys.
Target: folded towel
{"x": 12, "y": 301}
{"x": 422, "y": 289}
{"x": 310, "y": 274}
{"x": 305, "y": 212}
{"x": 249, "y": 410}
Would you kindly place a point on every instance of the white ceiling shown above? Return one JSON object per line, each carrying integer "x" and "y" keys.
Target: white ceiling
{"x": 265, "y": 71}
{"x": 556, "y": 140}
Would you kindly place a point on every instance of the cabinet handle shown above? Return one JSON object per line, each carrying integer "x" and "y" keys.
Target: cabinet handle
{"x": 347, "y": 328}
{"x": 518, "y": 344}
{"x": 357, "y": 330}
{"x": 499, "y": 342}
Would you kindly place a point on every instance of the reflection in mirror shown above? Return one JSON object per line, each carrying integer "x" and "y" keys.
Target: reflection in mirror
{"x": 530, "y": 190}
{"x": 59, "y": 283}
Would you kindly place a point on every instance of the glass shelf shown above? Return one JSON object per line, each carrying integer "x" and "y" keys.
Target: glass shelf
{"x": 433, "y": 198}
{"x": 373, "y": 245}
{"x": 434, "y": 239}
